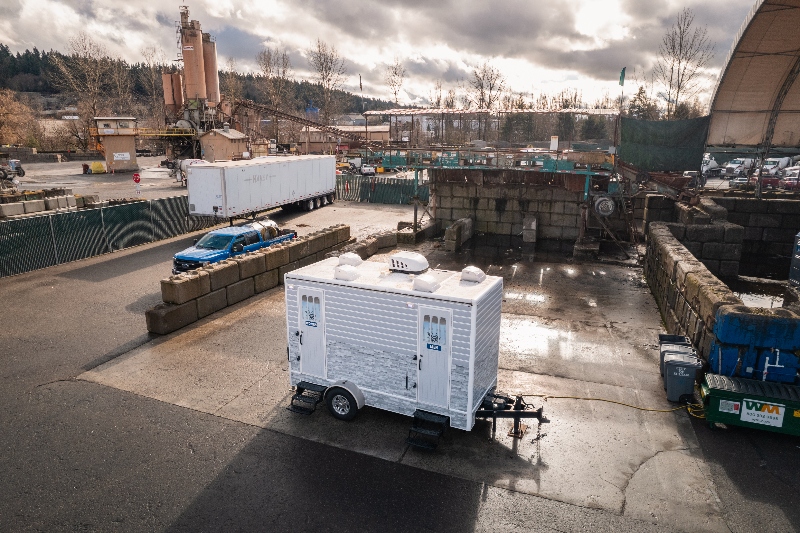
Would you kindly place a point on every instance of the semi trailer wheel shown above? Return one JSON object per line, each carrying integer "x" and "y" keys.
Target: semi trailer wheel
{"x": 341, "y": 404}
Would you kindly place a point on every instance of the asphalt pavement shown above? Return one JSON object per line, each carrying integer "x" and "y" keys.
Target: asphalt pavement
{"x": 78, "y": 455}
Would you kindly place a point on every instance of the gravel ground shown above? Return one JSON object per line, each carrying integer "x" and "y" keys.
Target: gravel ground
{"x": 155, "y": 180}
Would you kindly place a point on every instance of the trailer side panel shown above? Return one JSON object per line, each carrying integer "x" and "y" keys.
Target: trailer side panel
{"x": 487, "y": 335}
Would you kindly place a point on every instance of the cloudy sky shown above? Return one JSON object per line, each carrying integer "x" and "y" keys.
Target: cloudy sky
{"x": 538, "y": 46}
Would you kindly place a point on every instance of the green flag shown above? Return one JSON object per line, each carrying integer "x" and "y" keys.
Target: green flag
{"x": 622, "y": 77}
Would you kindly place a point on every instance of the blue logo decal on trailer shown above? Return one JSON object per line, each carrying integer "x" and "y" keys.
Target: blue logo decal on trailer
{"x": 311, "y": 324}
{"x": 434, "y": 347}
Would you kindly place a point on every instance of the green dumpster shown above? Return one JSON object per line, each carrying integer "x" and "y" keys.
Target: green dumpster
{"x": 751, "y": 403}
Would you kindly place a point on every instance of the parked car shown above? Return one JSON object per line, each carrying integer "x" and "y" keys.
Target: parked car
{"x": 227, "y": 242}
{"x": 739, "y": 182}
{"x": 790, "y": 184}
{"x": 791, "y": 179}
{"x": 367, "y": 170}
{"x": 767, "y": 181}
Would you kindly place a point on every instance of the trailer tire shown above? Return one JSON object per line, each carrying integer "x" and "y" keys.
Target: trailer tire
{"x": 330, "y": 198}
{"x": 310, "y": 205}
{"x": 341, "y": 403}
{"x": 317, "y": 203}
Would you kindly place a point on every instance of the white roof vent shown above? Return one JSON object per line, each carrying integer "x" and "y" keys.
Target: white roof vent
{"x": 426, "y": 283}
{"x": 345, "y": 273}
{"x": 473, "y": 273}
{"x": 350, "y": 259}
{"x": 408, "y": 262}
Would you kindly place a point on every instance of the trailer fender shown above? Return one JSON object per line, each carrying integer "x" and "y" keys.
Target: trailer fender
{"x": 352, "y": 388}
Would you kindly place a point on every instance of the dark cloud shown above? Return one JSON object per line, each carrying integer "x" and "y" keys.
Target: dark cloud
{"x": 238, "y": 44}
{"x": 546, "y": 36}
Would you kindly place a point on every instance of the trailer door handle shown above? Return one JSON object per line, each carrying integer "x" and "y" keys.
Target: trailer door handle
{"x": 420, "y": 363}
{"x": 301, "y": 338}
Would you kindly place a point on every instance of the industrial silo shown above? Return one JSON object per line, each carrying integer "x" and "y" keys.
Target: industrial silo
{"x": 192, "y": 51}
{"x": 211, "y": 71}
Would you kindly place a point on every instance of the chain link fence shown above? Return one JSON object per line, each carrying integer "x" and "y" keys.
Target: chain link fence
{"x": 378, "y": 190}
{"x": 38, "y": 242}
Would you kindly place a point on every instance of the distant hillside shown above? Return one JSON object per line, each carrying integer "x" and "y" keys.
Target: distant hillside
{"x": 33, "y": 71}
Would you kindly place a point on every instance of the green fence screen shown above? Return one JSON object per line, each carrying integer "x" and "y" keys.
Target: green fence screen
{"x": 378, "y": 190}
{"x": 50, "y": 239}
{"x": 663, "y": 145}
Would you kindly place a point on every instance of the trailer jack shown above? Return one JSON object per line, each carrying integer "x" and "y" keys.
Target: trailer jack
{"x": 498, "y": 406}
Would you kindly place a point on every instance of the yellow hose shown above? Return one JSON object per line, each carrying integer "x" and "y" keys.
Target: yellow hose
{"x": 694, "y": 409}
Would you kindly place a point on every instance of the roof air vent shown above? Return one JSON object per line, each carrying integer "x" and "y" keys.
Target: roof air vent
{"x": 345, "y": 273}
{"x": 426, "y": 283}
{"x": 410, "y": 262}
{"x": 473, "y": 273}
{"x": 350, "y": 259}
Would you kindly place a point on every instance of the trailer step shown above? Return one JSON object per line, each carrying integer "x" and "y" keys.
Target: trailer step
{"x": 306, "y": 397}
{"x": 430, "y": 432}
{"x": 427, "y": 416}
{"x": 427, "y": 429}
{"x": 424, "y": 444}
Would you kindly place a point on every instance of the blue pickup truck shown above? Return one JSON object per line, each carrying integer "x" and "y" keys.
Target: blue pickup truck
{"x": 228, "y": 242}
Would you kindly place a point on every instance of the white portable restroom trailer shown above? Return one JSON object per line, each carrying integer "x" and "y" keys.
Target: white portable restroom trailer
{"x": 392, "y": 339}
{"x": 232, "y": 189}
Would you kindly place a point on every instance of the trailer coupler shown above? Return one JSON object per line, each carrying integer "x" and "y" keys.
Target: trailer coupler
{"x": 498, "y": 406}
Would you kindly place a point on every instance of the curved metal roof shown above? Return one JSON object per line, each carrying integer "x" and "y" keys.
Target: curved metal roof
{"x": 756, "y": 103}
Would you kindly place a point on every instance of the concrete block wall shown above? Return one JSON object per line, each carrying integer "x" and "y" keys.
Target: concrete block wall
{"x": 733, "y": 339}
{"x": 501, "y": 209}
{"x": 770, "y": 225}
{"x": 192, "y": 295}
{"x": 703, "y": 229}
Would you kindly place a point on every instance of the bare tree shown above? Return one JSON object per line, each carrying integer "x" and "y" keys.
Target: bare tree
{"x": 395, "y": 74}
{"x": 275, "y": 79}
{"x": 150, "y": 78}
{"x": 120, "y": 87}
{"x": 486, "y": 86}
{"x": 16, "y": 120}
{"x": 437, "y": 96}
{"x": 684, "y": 53}
{"x": 85, "y": 72}
{"x": 329, "y": 68}
{"x": 230, "y": 83}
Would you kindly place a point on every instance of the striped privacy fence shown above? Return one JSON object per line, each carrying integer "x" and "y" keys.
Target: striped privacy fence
{"x": 378, "y": 190}
{"x": 37, "y": 242}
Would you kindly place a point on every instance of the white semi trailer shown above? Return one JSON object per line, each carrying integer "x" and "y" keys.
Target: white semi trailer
{"x": 231, "y": 189}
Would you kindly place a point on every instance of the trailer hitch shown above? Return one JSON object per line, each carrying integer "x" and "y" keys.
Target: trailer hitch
{"x": 504, "y": 407}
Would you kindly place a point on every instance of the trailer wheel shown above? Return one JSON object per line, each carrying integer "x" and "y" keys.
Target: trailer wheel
{"x": 341, "y": 404}
{"x": 330, "y": 198}
{"x": 317, "y": 203}
{"x": 323, "y": 201}
{"x": 310, "y": 205}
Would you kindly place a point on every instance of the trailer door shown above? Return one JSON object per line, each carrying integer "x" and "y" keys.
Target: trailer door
{"x": 433, "y": 379}
{"x": 312, "y": 326}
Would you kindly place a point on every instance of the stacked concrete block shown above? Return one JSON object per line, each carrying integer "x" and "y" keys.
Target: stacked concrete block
{"x": 193, "y": 295}
{"x": 212, "y": 302}
{"x": 223, "y": 273}
{"x": 250, "y": 264}
{"x": 33, "y": 206}
{"x": 166, "y": 318}
{"x": 184, "y": 287}
{"x": 12, "y": 209}
{"x": 457, "y": 234}
{"x": 241, "y": 290}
